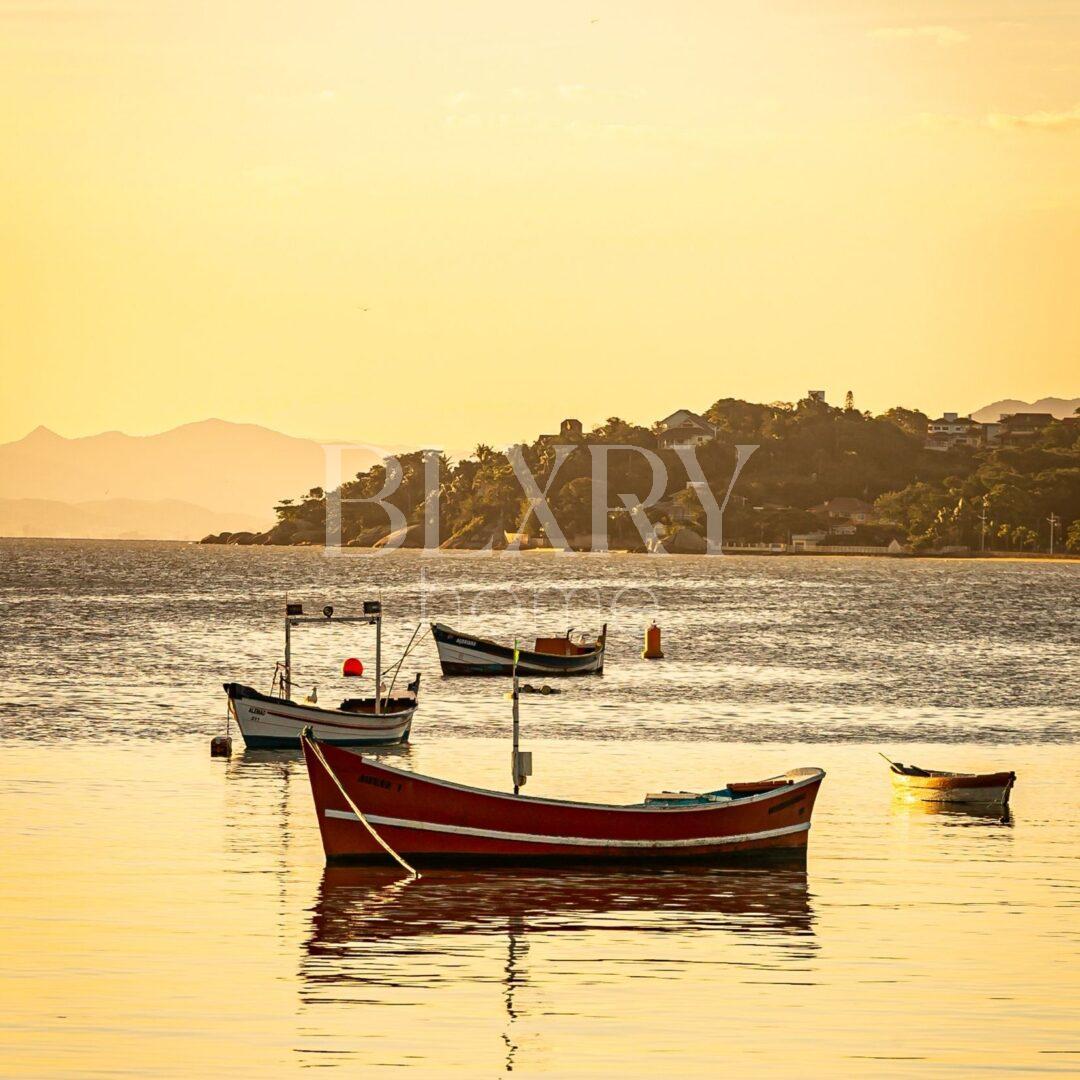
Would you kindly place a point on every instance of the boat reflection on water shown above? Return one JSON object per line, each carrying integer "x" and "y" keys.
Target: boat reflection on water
{"x": 376, "y": 935}
{"x": 955, "y": 814}
{"x": 357, "y": 905}
{"x": 398, "y": 755}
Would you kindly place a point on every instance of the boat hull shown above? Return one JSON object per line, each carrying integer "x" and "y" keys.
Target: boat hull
{"x": 462, "y": 654}
{"x": 433, "y": 822}
{"x": 268, "y": 723}
{"x": 983, "y": 789}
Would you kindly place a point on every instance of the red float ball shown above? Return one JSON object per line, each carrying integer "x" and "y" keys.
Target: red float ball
{"x": 352, "y": 668}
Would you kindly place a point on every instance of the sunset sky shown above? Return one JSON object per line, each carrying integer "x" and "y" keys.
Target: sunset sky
{"x": 441, "y": 223}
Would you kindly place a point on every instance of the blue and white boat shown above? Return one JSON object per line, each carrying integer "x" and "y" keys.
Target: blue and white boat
{"x": 463, "y": 654}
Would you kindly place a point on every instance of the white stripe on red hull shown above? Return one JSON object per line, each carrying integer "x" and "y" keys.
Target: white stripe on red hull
{"x": 570, "y": 841}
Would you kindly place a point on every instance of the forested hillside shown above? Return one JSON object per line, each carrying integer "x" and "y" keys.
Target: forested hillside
{"x": 808, "y": 452}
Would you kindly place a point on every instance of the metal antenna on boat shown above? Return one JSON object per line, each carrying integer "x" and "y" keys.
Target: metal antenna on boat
{"x": 404, "y": 657}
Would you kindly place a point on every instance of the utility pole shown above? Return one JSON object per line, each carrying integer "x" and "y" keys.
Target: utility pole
{"x": 982, "y": 521}
{"x": 1054, "y": 522}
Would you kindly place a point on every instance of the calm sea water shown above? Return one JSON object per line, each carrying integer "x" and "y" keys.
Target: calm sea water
{"x": 168, "y": 914}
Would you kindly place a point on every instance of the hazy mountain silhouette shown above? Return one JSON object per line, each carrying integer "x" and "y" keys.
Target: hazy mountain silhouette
{"x": 1059, "y": 407}
{"x": 213, "y": 466}
{"x": 118, "y": 519}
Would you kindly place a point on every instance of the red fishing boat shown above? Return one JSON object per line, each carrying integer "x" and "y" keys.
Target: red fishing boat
{"x": 369, "y": 811}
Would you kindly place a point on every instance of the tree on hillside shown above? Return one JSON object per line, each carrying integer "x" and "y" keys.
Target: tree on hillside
{"x": 806, "y": 454}
{"x": 1024, "y": 539}
{"x": 910, "y": 420}
{"x": 617, "y": 430}
{"x": 1072, "y": 537}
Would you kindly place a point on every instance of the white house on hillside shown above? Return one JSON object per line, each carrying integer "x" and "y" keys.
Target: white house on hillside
{"x": 951, "y": 430}
{"x": 844, "y": 508}
{"x": 684, "y": 428}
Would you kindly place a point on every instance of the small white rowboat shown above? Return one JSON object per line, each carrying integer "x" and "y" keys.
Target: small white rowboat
{"x": 929, "y": 785}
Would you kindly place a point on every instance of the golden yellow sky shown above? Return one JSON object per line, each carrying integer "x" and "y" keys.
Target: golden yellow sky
{"x": 431, "y": 222}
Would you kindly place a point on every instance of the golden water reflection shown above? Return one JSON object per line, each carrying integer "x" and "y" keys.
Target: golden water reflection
{"x": 377, "y": 936}
{"x": 956, "y": 813}
{"x": 360, "y": 906}
{"x": 170, "y": 913}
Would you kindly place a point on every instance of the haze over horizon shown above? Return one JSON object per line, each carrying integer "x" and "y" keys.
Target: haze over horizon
{"x": 984, "y": 412}
{"x": 433, "y": 224}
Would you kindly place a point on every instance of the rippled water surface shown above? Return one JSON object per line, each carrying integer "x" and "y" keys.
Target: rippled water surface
{"x": 165, "y": 914}
{"x": 757, "y": 648}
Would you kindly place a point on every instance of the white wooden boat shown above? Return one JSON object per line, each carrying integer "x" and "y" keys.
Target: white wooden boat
{"x": 275, "y": 720}
{"x": 268, "y": 722}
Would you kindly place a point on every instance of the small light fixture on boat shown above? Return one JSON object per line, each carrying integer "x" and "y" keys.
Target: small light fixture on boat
{"x": 372, "y": 607}
{"x": 294, "y": 609}
{"x": 328, "y": 611}
{"x": 521, "y": 766}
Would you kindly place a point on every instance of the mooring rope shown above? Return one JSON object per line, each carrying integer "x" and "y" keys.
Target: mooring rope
{"x": 317, "y": 751}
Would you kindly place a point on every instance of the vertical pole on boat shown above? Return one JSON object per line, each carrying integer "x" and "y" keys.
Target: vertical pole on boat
{"x": 517, "y": 724}
{"x": 378, "y": 662}
{"x": 288, "y": 655}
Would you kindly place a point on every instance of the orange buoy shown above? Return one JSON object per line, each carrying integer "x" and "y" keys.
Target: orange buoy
{"x": 652, "y": 650}
{"x": 352, "y": 668}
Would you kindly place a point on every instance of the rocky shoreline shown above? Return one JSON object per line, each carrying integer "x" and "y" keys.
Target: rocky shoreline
{"x": 476, "y": 536}
{"x": 683, "y": 542}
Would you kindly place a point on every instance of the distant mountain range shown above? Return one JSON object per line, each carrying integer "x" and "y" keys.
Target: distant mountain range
{"x": 118, "y": 519}
{"x": 183, "y": 483}
{"x": 207, "y": 477}
{"x": 1059, "y": 407}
